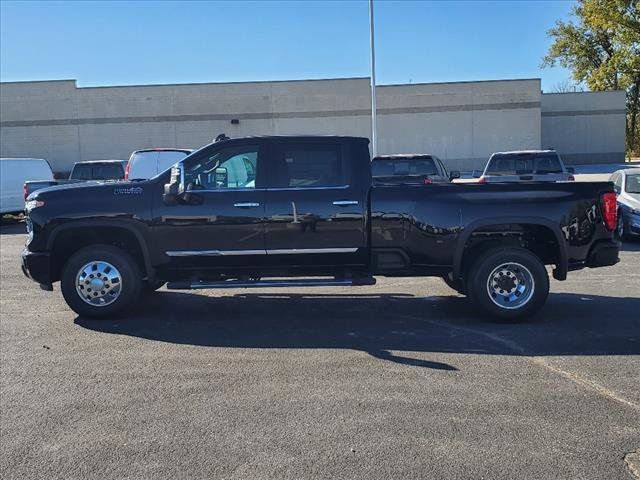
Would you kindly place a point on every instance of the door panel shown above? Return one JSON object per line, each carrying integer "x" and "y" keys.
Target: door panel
{"x": 224, "y": 227}
{"x": 314, "y": 216}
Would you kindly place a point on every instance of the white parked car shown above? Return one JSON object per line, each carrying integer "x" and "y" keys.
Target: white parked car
{"x": 14, "y": 172}
{"x": 144, "y": 164}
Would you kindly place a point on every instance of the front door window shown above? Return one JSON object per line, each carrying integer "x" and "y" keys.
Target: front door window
{"x": 231, "y": 168}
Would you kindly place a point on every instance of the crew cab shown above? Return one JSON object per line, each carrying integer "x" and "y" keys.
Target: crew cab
{"x": 302, "y": 211}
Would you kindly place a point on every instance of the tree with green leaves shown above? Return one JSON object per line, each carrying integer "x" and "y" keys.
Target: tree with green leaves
{"x": 602, "y": 50}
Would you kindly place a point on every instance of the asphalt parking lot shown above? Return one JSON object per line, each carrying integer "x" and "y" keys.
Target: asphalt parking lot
{"x": 399, "y": 380}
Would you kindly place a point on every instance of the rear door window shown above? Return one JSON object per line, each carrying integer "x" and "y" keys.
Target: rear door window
{"x": 632, "y": 184}
{"x": 308, "y": 166}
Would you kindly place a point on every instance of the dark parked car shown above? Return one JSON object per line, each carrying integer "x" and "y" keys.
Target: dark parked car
{"x": 410, "y": 169}
{"x": 98, "y": 170}
{"x": 526, "y": 166}
{"x": 627, "y": 185}
{"x": 249, "y": 212}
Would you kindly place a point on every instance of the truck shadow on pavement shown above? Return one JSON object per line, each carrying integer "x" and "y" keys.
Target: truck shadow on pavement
{"x": 386, "y": 326}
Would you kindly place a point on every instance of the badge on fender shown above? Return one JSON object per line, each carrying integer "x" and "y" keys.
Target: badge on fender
{"x": 128, "y": 191}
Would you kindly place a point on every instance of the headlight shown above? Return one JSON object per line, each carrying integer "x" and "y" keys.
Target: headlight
{"x": 32, "y": 204}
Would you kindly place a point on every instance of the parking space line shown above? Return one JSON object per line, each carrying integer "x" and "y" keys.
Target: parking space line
{"x": 588, "y": 384}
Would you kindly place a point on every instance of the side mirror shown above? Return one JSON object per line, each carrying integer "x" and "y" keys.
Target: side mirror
{"x": 221, "y": 177}
{"x": 477, "y": 174}
{"x": 176, "y": 187}
{"x": 453, "y": 174}
{"x": 571, "y": 170}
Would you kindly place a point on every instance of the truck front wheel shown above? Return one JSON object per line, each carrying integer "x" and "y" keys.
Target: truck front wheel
{"x": 508, "y": 283}
{"x": 100, "y": 281}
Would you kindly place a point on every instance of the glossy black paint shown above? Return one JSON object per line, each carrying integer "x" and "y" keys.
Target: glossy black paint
{"x": 426, "y": 229}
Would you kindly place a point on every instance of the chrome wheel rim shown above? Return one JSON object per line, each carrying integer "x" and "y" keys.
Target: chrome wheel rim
{"x": 510, "y": 285}
{"x": 99, "y": 283}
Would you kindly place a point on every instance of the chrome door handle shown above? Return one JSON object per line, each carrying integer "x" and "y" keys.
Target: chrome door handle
{"x": 344, "y": 203}
{"x": 246, "y": 204}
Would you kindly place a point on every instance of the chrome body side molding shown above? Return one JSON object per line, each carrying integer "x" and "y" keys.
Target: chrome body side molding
{"x": 283, "y": 251}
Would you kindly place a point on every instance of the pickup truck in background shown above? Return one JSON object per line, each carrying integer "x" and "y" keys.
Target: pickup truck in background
{"x": 82, "y": 172}
{"x": 526, "y": 166}
{"x": 302, "y": 211}
{"x": 410, "y": 169}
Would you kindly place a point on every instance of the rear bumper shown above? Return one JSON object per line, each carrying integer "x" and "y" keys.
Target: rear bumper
{"x": 37, "y": 267}
{"x": 604, "y": 254}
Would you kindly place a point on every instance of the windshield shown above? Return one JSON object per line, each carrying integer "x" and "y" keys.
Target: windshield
{"x": 411, "y": 166}
{"x": 632, "y": 185}
{"x": 99, "y": 171}
{"x": 524, "y": 163}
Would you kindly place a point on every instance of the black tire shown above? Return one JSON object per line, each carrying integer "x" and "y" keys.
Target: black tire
{"x": 150, "y": 286}
{"x": 453, "y": 284}
{"x": 621, "y": 227}
{"x": 129, "y": 273}
{"x": 487, "y": 263}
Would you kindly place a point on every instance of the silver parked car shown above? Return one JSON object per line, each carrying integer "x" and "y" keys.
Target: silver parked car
{"x": 526, "y": 166}
{"x": 627, "y": 185}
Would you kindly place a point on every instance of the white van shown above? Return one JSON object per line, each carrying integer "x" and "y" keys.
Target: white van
{"x": 148, "y": 163}
{"x": 13, "y": 173}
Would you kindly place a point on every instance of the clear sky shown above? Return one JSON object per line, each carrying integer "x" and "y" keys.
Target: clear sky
{"x": 124, "y": 43}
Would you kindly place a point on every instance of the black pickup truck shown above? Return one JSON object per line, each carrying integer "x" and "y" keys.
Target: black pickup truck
{"x": 302, "y": 211}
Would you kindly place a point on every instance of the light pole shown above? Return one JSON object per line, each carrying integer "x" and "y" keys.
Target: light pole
{"x": 374, "y": 132}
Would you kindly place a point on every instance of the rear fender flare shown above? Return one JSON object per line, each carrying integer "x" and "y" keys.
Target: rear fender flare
{"x": 559, "y": 273}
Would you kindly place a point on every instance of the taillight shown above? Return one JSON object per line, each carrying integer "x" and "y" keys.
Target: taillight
{"x": 25, "y": 193}
{"x": 571, "y": 178}
{"x": 482, "y": 180}
{"x": 126, "y": 171}
{"x": 427, "y": 181}
{"x": 609, "y": 208}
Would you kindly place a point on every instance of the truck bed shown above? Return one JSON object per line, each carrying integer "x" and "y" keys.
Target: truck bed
{"x": 431, "y": 224}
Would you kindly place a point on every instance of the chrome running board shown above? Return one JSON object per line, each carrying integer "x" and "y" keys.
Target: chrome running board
{"x": 303, "y": 282}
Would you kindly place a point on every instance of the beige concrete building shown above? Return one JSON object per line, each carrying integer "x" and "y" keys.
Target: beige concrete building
{"x": 461, "y": 122}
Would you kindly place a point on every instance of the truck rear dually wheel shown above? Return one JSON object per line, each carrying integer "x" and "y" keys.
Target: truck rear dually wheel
{"x": 508, "y": 283}
{"x": 100, "y": 281}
